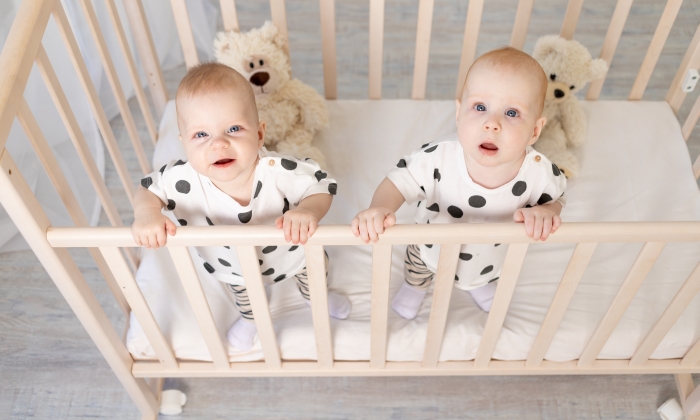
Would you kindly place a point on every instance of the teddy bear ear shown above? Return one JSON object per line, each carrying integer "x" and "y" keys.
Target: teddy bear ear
{"x": 546, "y": 46}
{"x": 270, "y": 32}
{"x": 597, "y": 68}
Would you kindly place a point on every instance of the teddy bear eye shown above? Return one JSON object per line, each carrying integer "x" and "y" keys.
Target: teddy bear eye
{"x": 252, "y": 66}
{"x": 261, "y": 62}
{"x": 552, "y": 76}
{"x": 572, "y": 87}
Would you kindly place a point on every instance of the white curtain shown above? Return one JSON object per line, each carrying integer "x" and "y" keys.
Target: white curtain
{"x": 204, "y": 16}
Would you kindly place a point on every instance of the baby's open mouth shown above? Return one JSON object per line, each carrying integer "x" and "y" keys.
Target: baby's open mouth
{"x": 223, "y": 162}
{"x": 489, "y": 149}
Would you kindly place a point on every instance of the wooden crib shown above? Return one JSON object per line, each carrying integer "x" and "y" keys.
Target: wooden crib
{"x": 114, "y": 250}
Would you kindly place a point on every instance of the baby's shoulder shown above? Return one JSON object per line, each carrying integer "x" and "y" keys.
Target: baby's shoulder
{"x": 538, "y": 167}
{"x": 285, "y": 166}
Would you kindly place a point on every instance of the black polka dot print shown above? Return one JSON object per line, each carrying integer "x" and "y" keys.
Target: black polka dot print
{"x": 456, "y": 278}
{"x": 182, "y": 222}
{"x": 527, "y": 206}
{"x": 268, "y": 249}
{"x": 289, "y": 165}
{"x": 496, "y": 244}
{"x": 245, "y": 217}
{"x": 555, "y": 170}
{"x": 268, "y": 272}
{"x": 236, "y": 274}
{"x": 261, "y": 262}
{"x": 224, "y": 263}
{"x": 257, "y": 190}
{"x": 320, "y": 175}
{"x": 279, "y": 278}
{"x": 544, "y": 199}
{"x": 464, "y": 256}
{"x": 146, "y": 182}
{"x": 162, "y": 169}
{"x": 209, "y": 222}
{"x": 519, "y": 188}
{"x": 182, "y": 186}
{"x": 428, "y": 245}
{"x": 227, "y": 247}
{"x": 423, "y": 145}
{"x": 421, "y": 187}
{"x": 418, "y": 205}
{"x": 434, "y": 207}
{"x": 477, "y": 201}
{"x": 430, "y": 149}
{"x": 294, "y": 248}
{"x": 285, "y": 208}
{"x": 436, "y": 174}
{"x": 208, "y": 267}
{"x": 402, "y": 163}
{"x": 455, "y": 212}
{"x": 180, "y": 162}
{"x": 492, "y": 280}
{"x": 333, "y": 188}
{"x": 486, "y": 270}
{"x": 171, "y": 205}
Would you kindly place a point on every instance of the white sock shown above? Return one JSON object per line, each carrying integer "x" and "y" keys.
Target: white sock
{"x": 407, "y": 301}
{"x": 338, "y": 305}
{"x": 483, "y": 296}
{"x": 242, "y": 334}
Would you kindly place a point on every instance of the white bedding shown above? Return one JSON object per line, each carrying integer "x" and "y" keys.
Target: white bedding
{"x": 634, "y": 167}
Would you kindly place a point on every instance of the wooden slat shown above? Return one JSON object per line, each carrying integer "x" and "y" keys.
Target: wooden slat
{"x": 17, "y": 57}
{"x": 688, "y": 394}
{"x": 675, "y": 95}
{"x": 318, "y": 291}
{"x": 76, "y": 136}
{"x": 674, "y": 310}
{"x": 376, "y": 47}
{"x": 691, "y": 120}
{"x": 229, "y": 14}
{"x": 133, "y": 73}
{"x": 147, "y": 53}
{"x": 504, "y": 292}
{"x": 138, "y": 304}
{"x": 420, "y": 64}
{"x": 568, "y": 26}
{"x": 617, "y": 24}
{"x": 381, "y": 276}
{"x": 693, "y": 356}
{"x": 25, "y": 211}
{"x": 330, "y": 78}
{"x": 278, "y": 11}
{"x": 655, "y": 47}
{"x": 444, "y": 283}
{"x": 184, "y": 31}
{"x": 572, "y": 276}
{"x": 522, "y": 21}
{"x": 200, "y": 306}
{"x": 55, "y": 174}
{"x": 471, "y": 36}
{"x": 636, "y": 275}
{"x": 116, "y": 86}
{"x": 93, "y": 99}
{"x": 258, "y": 301}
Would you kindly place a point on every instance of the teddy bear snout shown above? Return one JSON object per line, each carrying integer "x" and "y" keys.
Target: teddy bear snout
{"x": 558, "y": 93}
{"x": 260, "y": 78}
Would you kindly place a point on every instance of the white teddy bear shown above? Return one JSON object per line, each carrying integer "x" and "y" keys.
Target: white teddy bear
{"x": 569, "y": 66}
{"x": 292, "y": 110}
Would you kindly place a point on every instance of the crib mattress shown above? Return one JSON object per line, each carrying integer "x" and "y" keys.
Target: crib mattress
{"x": 634, "y": 167}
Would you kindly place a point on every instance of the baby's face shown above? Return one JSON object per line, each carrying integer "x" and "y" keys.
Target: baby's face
{"x": 221, "y": 136}
{"x": 497, "y": 117}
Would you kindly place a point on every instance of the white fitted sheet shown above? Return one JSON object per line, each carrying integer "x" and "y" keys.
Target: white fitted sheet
{"x": 634, "y": 167}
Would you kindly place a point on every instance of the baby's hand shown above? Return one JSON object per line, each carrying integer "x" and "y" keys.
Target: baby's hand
{"x": 151, "y": 227}
{"x": 368, "y": 224}
{"x": 298, "y": 225}
{"x": 539, "y": 221}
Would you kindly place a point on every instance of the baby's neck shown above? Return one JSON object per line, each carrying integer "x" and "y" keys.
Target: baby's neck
{"x": 241, "y": 188}
{"x": 493, "y": 177}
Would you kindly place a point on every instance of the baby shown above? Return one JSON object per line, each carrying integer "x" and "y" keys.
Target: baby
{"x": 229, "y": 178}
{"x": 486, "y": 173}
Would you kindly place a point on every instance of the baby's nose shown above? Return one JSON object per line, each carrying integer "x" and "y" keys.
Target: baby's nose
{"x": 492, "y": 126}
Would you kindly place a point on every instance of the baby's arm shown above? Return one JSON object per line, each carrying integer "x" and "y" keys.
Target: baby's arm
{"x": 300, "y": 223}
{"x": 540, "y": 221}
{"x": 368, "y": 224}
{"x": 150, "y": 226}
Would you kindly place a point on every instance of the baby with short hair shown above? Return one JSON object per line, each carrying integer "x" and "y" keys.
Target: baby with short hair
{"x": 486, "y": 173}
{"x": 229, "y": 178}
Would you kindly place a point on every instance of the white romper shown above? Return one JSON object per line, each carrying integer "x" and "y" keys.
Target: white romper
{"x": 436, "y": 177}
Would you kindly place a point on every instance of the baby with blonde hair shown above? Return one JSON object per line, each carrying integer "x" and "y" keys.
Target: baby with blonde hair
{"x": 485, "y": 173}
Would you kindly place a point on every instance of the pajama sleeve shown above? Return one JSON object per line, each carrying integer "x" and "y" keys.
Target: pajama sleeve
{"x": 155, "y": 182}
{"x": 303, "y": 178}
{"x": 413, "y": 173}
{"x": 552, "y": 187}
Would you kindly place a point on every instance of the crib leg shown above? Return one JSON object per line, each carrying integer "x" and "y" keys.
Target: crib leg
{"x": 685, "y": 385}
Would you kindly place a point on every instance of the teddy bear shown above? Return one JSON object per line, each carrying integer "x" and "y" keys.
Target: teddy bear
{"x": 568, "y": 66}
{"x": 291, "y": 110}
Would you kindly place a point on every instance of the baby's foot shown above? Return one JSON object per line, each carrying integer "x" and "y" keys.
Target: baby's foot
{"x": 242, "y": 333}
{"x": 338, "y": 305}
{"x": 483, "y": 296}
{"x": 407, "y": 301}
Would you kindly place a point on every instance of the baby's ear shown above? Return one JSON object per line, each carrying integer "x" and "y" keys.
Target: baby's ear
{"x": 261, "y": 133}
{"x": 458, "y": 105}
{"x": 537, "y": 131}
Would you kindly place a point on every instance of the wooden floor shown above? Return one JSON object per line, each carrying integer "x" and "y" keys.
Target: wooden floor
{"x": 49, "y": 368}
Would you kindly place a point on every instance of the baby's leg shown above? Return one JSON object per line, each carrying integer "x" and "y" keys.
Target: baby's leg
{"x": 242, "y": 332}
{"x": 338, "y": 305}
{"x": 483, "y": 296}
{"x": 418, "y": 277}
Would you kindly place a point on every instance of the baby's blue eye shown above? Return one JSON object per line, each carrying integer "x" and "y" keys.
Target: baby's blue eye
{"x": 480, "y": 107}
{"x": 234, "y": 128}
{"x": 200, "y": 134}
{"x": 512, "y": 113}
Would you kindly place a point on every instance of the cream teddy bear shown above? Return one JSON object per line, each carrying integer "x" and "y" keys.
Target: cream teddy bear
{"x": 569, "y": 66}
{"x": 292, "y": 110}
